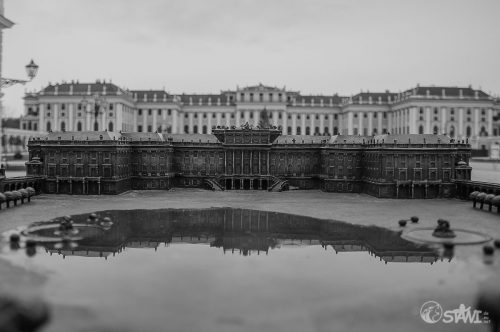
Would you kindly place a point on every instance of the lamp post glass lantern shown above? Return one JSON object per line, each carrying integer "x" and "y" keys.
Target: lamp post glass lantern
{"x": 31, "y": 69}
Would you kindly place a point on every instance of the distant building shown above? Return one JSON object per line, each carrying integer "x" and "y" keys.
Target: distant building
{"x": 458, "y": 112}
{"x": 399, "y": 166}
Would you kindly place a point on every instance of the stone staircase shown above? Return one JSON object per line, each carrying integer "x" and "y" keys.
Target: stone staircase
{"x": 213, "y": 185}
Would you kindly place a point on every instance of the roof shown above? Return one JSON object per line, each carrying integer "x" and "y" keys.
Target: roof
{"x": 282, "y": 139}
{"x": 204, "y": 98}
{"x": 348, "y": 139}
{"x": 83, "y": 135}
{"x": 151, "y": 95}
{"x": 413, "y": 138}
{"x": 364, "y": 97}
{"x": 437, "y": 91}
{"x": 136, "y": 136}
{"x": 261, "y": 88}
{"x": 205, "y": 138}
{"x": 77, "y": 88}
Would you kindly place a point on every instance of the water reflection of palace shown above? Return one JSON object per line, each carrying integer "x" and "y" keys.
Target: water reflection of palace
{"x": 240, "y": 231}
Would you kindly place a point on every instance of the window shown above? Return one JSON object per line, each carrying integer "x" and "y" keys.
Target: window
{"x": 204, "y": 115}
{"x": 469, "y": 131}
{"x": 79, "y": 107}
{"x": 111, "y": 106}
{"x": 435, "y": 110}
{"x": 140, "y": 111}
{"x": 195, "y": 129}
{"x": 150, "y": 129}
{"x": 63, "y": 107}
{"x": 79, "y": 126}
{"x": 150, "y": 111}
{"x": 35, "y": 126}
{"x": 139, "y": 128}
{"x": 335, "y": 116}
{"x": 289, "y": 130}
{"x": 298, "y": 130}
{"x": 452, "y": 131}
{"x": 251, "y": 97}
{"x": 169, "y": 112}
{"x": 186, "y": 129}
{"x": 48, "y": 126}
{"x": 436, "y": 129}
{"x": 308, "y": 131}
{"x": 335, "y": 130}
{"x": 63, "y": 126}
{"x": 204, "y": 129}
{"x": 110, "y": 126}
{"x": 280, "y": 97}
{"x": 110, "y": 114}
{"x": 196, "y": 115}
{"x": 355, "y": 115}
{"x": 261, "y": 97}
{"x": 159, "y": 112}
{"x": 421, "y": 130}
{"x": 48, "y": 107}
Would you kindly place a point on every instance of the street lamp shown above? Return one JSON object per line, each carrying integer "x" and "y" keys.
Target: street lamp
{"x": 99, "y": 104}
{"x": 31, "y": 71}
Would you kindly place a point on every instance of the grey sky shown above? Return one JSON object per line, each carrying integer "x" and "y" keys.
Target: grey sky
{"x": 200, "y": 46}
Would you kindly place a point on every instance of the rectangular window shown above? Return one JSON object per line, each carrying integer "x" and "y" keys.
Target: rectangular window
{"x": 139, "y": 128}
{"x": 159, "y": 112}
{"x": 150, "y": 111}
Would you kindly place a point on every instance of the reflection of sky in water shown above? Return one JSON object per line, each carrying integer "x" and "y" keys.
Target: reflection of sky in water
{"x": 201, "y": 286}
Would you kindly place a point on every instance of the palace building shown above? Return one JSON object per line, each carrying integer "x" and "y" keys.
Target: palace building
{"x": 459, "y": 112}
{"x": 249, "y": 158}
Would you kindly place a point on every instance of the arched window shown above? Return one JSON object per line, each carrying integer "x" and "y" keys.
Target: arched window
{"x": 195, "y": 129}
{"x": 452, "y": 131}
{"x": 96, "y": 126}
{"x": 49, "y": 127}
{"x": 308, "y": 131}
{"x": 35, "y": 126}
{"x": 79, "y": 126}
{"x": 326, "y": 132}
{"x": 355, "y": 131}
{"x": 436, "y": 130}
{"x": 110, "y": 126}
{"x": 186, "y": 129}
{"x": 289, "y": 130}
{"x": 204, "y": 129}
{"x": 63, "y": 126}
{"x": 298, "y": 130}
{"x": 468, "y": 131}
{"x": 316, "y": 131}
{"x": 421, "y": 129}
{"x": 375, "y": 131}
{"x": 335, "y": 130}
{"x": 483, "y": 132}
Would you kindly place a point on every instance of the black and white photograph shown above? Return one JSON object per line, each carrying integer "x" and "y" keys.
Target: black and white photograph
{"x": 249, "y": 165}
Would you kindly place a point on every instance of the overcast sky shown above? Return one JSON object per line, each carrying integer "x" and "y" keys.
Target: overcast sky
{"x": 202, "y": 46}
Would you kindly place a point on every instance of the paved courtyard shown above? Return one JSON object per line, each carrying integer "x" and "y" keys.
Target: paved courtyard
{"x": 354, "y": 208}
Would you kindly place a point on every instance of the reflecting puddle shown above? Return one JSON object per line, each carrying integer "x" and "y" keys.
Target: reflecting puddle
{"x": 231, "y": 269}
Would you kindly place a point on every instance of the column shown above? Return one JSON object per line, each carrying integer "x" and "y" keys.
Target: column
{"x": 238, "y": 118}
{"x": 461, "y": 122}
{"x": 284, "y": 118}
{"x": 322, "y": 123}
{"x": 155, "y": 114}
{"x": 294, "y": 124}
{"x": 389, "y": 122}
{"x": 70, "y": 116}
{"x": 144, "y": 120}
{"x": 443, "y": 121}
{"x": 136, "y": 123}
{"x": 55, "y": 125}
{"x": 379, "y": 125}
{"x": 360, "y": 123}
{"x": 228, "y": 120}
{"x": 330, "y": 123}
{"x": 256, "y": 116}
{"x": 88, "y": 114}
{"x": 246, "y": 117}
{"x": 489, "y": 118}
{"x": 303, "y": 124}
{"x": 370, "y": 123}
{"x": 190, "y": 122}
{"x": 476, "y": 122}
{"x": 218, "y": 119}
{"x": 175, "y": 114}
{"x": 313, "y": 117}
{"x": 209, "y": 116}
{"x": 428, "y": 129}
{"x": 200, "y": 122}
{"x": 413, "y": 120}
{"x": 181, "y": 118}
{"x": 350, "y": 119}
{"x": 41, "y": 119}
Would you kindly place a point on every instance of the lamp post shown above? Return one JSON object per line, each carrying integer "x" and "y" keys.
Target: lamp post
{"x": 99, "y": 104}
{"x": 31, "y": 71}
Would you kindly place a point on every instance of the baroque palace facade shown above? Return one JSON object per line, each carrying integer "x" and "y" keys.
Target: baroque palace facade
{"x": 453, "y": 111}
{"x": 246, "y": 157}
